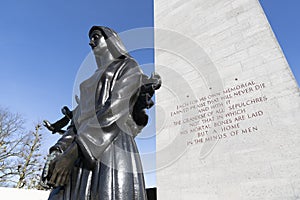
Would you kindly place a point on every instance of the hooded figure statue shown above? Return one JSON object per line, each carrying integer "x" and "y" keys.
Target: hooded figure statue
{"x": 97, "y": 157}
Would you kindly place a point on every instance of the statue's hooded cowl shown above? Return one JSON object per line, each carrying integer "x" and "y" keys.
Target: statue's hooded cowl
{"x": 109, "y": 166}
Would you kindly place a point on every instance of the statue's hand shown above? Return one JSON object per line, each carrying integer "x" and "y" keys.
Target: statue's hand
{"x": 156, "y": 81}
{"x": 48, "y": 125}
{"x": 44, "y": 182}
{"x": 60, "y": 168}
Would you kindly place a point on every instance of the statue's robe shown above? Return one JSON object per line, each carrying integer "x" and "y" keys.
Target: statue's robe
{"x": 109, "y": 166}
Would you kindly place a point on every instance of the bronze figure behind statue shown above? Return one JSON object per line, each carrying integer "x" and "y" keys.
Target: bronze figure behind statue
{"x": 97, "y": 157}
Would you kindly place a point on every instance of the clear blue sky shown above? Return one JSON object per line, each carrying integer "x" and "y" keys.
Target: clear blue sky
{"x": 43, "y": 43}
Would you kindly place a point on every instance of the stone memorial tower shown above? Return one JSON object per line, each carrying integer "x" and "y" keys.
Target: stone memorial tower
{"x": 229, "y": 108}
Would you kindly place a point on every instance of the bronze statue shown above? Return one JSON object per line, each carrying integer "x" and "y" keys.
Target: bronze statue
{"x": 97, "y": 157}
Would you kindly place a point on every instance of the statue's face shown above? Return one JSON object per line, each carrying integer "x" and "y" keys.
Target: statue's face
{"x": 97, "y": 41}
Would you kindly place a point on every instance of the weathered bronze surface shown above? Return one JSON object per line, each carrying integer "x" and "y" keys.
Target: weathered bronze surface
{"x": 97, "y": 157}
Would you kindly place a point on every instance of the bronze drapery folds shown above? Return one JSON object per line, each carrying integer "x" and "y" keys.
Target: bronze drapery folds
{"x": 97, "y": 158}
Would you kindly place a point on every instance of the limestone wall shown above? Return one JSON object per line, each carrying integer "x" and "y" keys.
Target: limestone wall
{"x": 228, "y": 112}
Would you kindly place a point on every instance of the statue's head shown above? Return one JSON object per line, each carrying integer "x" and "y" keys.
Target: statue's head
{"x": 105, "y": 38}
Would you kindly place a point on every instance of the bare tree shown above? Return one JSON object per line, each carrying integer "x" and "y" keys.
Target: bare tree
{"x": 30, "y": 165}
{"x": 10, "y": 141}
{"x": 20, "y": 157}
